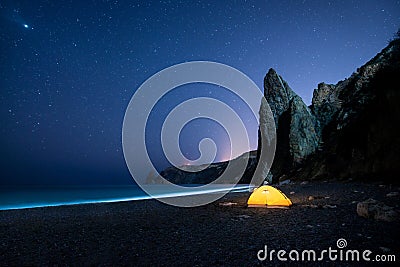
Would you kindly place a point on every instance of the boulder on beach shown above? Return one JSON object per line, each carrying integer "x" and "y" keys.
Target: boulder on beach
{"x": 377, "y": 210}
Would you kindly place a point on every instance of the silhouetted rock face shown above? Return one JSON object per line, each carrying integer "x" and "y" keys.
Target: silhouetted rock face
{"x": 303, "y": 138}
{"x": 325, "y": 103}
{"x": 278, "y": 94}
{"x": 351, "y": 130}
{"x": 364, "y": 136}
{"x": 296, "y": 134}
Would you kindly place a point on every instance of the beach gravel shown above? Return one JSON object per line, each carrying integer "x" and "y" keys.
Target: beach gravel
{"x": 223, "y": 233}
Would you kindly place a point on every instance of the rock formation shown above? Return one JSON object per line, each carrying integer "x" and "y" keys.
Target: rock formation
{"x": 297, "y": 136}
{"x": 277, "y": 93}
{"x": 349, "y": 131}
{"x": 325, "y": 103}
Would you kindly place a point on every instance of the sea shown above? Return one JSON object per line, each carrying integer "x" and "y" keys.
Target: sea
{"x": 34, "y": 197}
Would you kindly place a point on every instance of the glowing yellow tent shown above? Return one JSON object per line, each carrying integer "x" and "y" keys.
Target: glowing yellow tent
{"x": 269, "y": 197}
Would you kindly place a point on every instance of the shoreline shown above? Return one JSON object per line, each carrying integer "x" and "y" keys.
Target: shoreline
{"x": 225, "y": 232}
{"x": 143, "y": 196}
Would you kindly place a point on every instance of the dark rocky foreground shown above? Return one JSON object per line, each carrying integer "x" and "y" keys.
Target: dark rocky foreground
{"x": 222, "y": 233}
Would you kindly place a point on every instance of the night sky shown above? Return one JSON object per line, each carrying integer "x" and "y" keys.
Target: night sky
{"x": 69, "y": 68}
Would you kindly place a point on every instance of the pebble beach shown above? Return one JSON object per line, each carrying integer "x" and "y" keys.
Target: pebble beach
{"x": 224, "y": 233}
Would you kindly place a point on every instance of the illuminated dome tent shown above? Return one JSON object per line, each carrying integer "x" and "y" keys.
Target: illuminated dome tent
{"x": 268, "y": 197}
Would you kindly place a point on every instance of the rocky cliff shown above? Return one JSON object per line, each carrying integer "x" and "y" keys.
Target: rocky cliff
{"x": 297, "y": 136}
{"x": 351, "y": 129}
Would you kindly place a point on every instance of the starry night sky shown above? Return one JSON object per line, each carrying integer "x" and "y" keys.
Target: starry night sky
{"x": 69, "y": 68}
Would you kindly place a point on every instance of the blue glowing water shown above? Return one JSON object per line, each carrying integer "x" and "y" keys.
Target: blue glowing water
{"x": 32, "y": 197}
